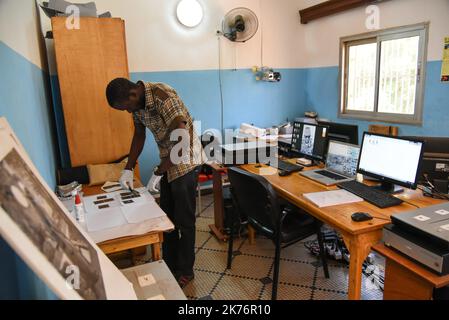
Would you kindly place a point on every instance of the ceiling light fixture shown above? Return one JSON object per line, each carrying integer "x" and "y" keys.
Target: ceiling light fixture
{"x": 189, "y": 13}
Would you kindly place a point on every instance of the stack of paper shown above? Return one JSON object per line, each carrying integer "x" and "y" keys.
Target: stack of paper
{"x": 332, "y": 198}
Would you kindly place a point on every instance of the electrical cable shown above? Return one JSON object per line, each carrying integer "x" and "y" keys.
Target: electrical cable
{"x": 410, "y": 203}
{"x": 435, "y": 193}
{"x": 384, "y": 219}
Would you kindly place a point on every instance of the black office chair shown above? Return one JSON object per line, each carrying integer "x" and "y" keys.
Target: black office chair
{"x": 254, "y": 197}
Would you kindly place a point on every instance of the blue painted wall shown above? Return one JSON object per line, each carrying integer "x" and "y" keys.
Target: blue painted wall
{"x": 24, "y": 102}
{"x": 265, "y": 104}
{"x": 323, "y": 97}
{"x": 245, "y": 100}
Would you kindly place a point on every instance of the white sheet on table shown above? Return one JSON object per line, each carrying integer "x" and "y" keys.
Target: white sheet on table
{"x": 91, "y": 207}
{"x": 106, "y": 219}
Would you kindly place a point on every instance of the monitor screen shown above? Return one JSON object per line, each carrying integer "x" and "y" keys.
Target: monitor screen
{"x": 342, "y": 158}
{"x": 435, "y": 163}
{"x": 342, "y": 132}
{"x": 309, "y": 140}
{"x": 391, "y": 159}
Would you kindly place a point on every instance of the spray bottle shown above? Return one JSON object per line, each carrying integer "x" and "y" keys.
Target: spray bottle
{"x": 79, "y": 210}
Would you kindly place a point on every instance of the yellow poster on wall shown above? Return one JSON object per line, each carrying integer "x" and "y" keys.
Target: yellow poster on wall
{"x": 445, "y": 67}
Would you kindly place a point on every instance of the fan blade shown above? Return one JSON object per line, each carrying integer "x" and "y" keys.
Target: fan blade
{"x": 231, "y": 35}
{"x": 239, "y": 24}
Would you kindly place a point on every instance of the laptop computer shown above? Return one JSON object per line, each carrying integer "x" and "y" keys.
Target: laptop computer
{"x": 341, "y": 164}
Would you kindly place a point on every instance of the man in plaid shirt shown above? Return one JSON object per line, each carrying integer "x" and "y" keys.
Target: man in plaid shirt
{"x": 158, "y": 107}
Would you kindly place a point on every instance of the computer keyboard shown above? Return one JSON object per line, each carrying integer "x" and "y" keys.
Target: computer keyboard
{"x": 331, "y": 175}
{"x": 286, "y": 166}
{"x": 373, "y": 196}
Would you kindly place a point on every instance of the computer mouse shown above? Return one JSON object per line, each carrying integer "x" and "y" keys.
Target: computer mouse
{"x": 361, "y": 216}
{"x": 283, "y": 173}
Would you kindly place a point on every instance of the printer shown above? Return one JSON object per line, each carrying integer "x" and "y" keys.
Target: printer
{"x": 422, "y": 235}
{"x": 247, "y": 152}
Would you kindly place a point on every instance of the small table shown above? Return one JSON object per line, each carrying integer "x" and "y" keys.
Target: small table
{"x": 218, "y": 227}
{"x": 136, "y": 243}
{"x": 407, "y": 280}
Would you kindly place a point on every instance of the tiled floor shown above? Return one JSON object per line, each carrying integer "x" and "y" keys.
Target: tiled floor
{"x": 250, "y": 277}
{"x": 301, "y": 278}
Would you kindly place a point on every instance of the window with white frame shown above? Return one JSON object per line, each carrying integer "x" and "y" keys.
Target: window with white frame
{"x": 383, "y": 73}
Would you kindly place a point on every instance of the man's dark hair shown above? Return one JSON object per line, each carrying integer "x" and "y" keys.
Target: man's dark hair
{"x": 118, "y": 90}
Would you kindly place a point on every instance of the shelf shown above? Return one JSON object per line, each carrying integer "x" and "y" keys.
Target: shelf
{"x": 330, "y": 7}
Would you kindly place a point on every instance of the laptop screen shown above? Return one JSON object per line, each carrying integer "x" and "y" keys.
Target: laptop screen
{"x": 342, "y": 158}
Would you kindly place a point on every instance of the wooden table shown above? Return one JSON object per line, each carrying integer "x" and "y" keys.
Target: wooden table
{"x": 135, "y": 243}
{"x": 218, "y": 227}
{"x": 359, "y": 237}
{"x": 407, "y": 280}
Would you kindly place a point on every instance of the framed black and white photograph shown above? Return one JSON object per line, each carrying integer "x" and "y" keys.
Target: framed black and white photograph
{"x": 29, "y": 205}
{"x": 42, "y": 232}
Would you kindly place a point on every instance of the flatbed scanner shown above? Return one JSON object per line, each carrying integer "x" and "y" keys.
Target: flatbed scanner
{"x": 422, "y": 235}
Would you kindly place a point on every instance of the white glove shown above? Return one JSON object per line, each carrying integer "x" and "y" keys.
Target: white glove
{"x": 126, "y": 180}
{"x": 154, "y": 183}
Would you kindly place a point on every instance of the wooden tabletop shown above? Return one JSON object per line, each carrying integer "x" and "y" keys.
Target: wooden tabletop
{"x": 293, "y": 187}
{"x": 431, "y": 277}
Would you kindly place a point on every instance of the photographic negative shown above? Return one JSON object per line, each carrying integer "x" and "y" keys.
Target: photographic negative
{"x": 112, "y": 186}
{"x": 130, "y": 197}
{"x": 308, "y": 139}
{"x": 103, "y": 201}
{"x": 30, "y": 206}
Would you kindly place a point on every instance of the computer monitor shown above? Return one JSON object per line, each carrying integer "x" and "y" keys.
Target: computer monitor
{"x": 435, "y": 163}
{"x": 342, "y": 132}
{"x": 392, "y": 160}
{"x": 309, "y": 140}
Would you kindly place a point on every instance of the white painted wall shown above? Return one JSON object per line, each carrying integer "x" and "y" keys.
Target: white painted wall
{"x": 157, "y": 42}
{"x": 321, "y": 37}
{"x": 19, "y": 28}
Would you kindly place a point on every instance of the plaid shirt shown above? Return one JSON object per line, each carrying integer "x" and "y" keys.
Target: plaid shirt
{"x": 162, "y": 107}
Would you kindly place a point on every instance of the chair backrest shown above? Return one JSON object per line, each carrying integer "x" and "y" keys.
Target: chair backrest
{"x": 255, "y": 198}
{"x": 386, "y": 130}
